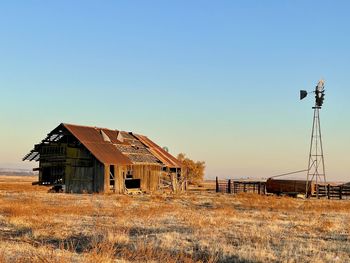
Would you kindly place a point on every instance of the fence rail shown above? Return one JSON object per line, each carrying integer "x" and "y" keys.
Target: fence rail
{"x": 235, "y": 187}
{"x": 333, "y": 191}
{"x": 324, "y": 191}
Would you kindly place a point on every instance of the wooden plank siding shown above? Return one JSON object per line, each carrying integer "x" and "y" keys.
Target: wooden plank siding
{"x": 84, "y": 179}
{"x": 119, "y": 177}
{"x": 149, "y": 176}
{"x": 98, "y": 170}
{"x": 119, "y": 172}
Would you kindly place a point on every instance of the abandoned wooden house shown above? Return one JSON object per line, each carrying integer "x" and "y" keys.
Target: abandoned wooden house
{"x": 90, "y": 159}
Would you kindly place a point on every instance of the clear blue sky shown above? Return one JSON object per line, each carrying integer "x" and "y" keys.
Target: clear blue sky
{"x": 218, "y": 80}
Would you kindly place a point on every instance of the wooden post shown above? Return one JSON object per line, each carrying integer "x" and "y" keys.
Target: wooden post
{"x": 259, "y": 188}
{"x": 229, "y": 186}
{"x": 244, "y": 187}
{"x": 329, "y": 191}
{"x": 106, "y": 178}
{"x": 217, "y": 185}
{"x": 340, "y": 192}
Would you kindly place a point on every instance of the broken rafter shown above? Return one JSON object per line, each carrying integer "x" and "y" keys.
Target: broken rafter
{"x": 51, "y": 137}
{"x": 34, "y": 156}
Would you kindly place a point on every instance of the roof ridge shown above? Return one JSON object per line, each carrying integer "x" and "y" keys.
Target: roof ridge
{"x": 95, "y": 127}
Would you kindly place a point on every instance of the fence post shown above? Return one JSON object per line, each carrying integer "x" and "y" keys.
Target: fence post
{"x": 244, "y": 187}
{"x": 329, "y": 191}
{"x": 217, "y": 185}
{"x": 340, "y": 192}
{"x": 229, "y": 186}
{"x": 259, "y": 188}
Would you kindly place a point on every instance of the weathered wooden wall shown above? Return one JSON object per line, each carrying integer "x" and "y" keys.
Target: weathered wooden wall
{"x": 98, "y": 178}
{"x": 80, "y": 171}
{"x": 79, "y": 179}
{"x": 84, "y": 173}
{"x": 149, "y": 175}
{"x": 119, "y": 177}
{"x": 120, "y": 172}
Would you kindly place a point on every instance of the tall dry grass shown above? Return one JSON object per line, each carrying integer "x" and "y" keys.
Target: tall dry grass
{"x": 36, "y": 226}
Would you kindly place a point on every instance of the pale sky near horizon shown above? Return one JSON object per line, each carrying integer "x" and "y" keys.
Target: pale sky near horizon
{"x": 217, "y": 80}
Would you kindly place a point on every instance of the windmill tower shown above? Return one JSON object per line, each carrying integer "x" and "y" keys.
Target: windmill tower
{"x": 316, "y": 165}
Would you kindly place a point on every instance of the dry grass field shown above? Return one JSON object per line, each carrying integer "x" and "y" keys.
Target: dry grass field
{"x": 36, "y": 226}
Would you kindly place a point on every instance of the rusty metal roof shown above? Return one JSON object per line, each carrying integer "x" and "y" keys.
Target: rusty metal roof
{"x": 104, "y": 145}
{"x": 104, "y": 150}
{"x": 92, "y": 139}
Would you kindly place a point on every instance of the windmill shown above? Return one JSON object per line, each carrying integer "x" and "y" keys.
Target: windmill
{"x": 316, "y": 166}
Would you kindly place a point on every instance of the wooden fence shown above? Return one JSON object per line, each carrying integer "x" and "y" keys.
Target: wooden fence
{"x": 235, "y": 187}
{"x": 334, "y": 191}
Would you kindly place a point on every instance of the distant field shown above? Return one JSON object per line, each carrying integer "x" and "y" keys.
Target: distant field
{"x": 200, "y": 226}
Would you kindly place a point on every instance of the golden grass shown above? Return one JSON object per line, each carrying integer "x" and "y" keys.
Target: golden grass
{"x": 36, "y": 226}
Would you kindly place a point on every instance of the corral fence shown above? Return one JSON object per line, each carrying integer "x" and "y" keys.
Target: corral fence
{"x": 329, "y": 191}
{"x": 237, "y": 186}
{"x": 333, "y": 191}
